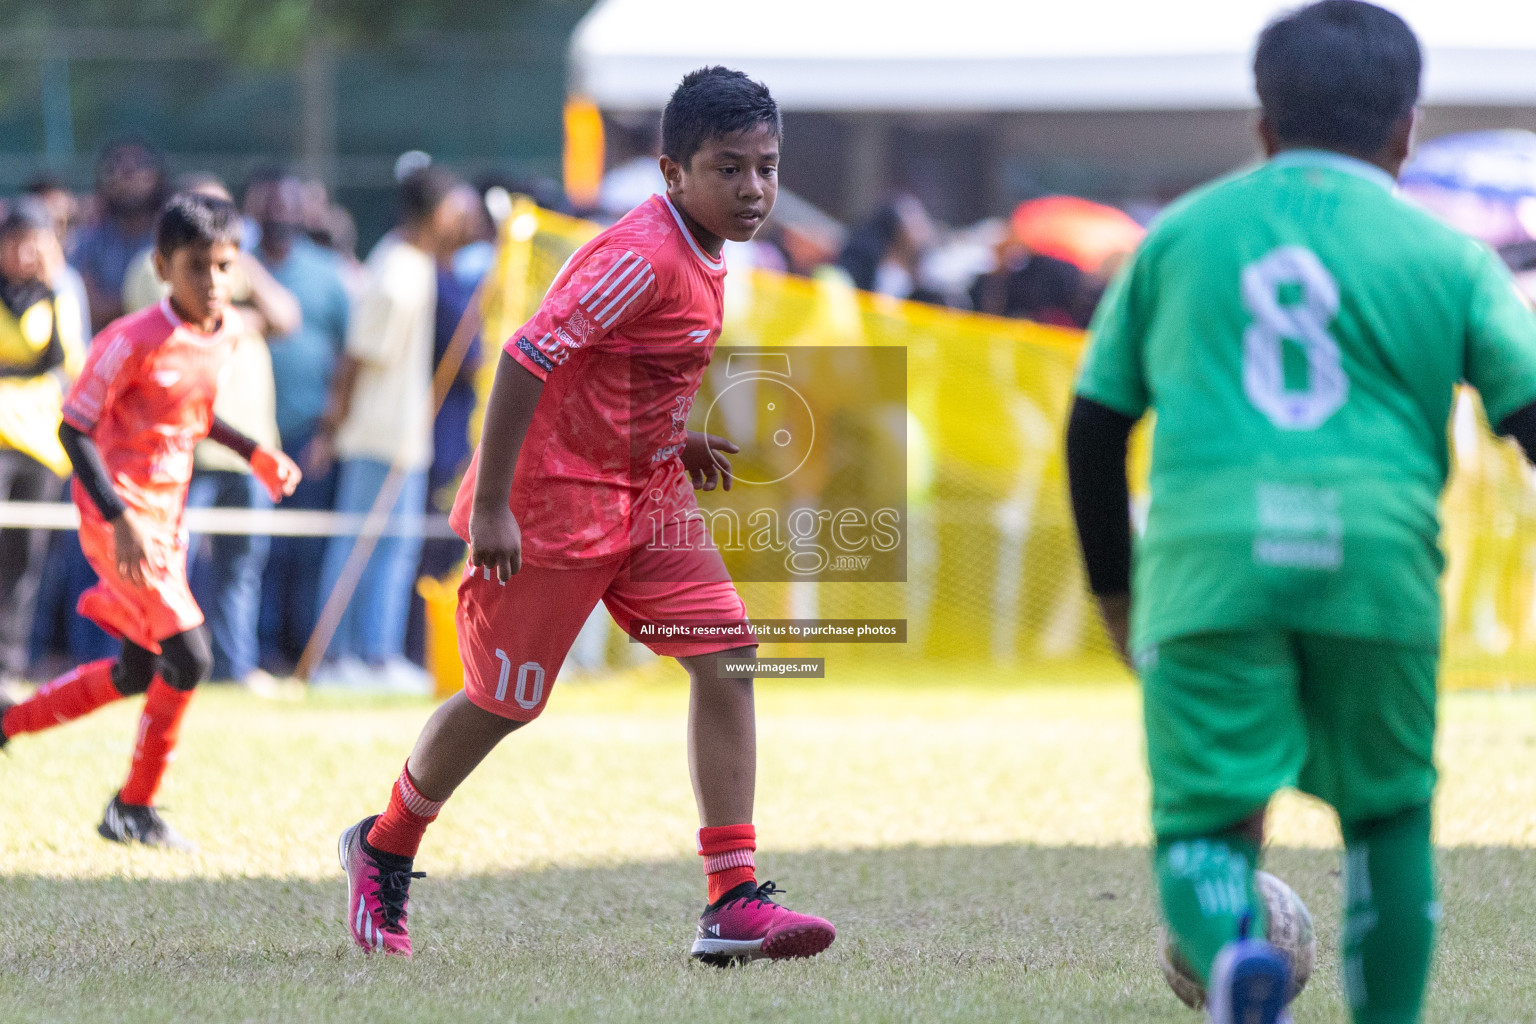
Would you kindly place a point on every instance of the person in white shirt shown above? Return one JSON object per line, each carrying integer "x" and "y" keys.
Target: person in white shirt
{"x": 380, "y": 417}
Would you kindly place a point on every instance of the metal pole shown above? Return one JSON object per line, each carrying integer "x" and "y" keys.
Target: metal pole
{"x": 383, "y": 505}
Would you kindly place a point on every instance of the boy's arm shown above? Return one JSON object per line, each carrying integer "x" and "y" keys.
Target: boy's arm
{"x": 494, "y": 537}
{"x": 1098, "y": 439}
{"x": 226, "y": 435}
{"x": 90, "y": 471}
{"x": 1111, "y": 397}
{"x": 130, "y": 539}
{"x": 276, "y": 471}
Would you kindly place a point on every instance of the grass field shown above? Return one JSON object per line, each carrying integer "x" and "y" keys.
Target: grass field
{"x": 981, "y": 848}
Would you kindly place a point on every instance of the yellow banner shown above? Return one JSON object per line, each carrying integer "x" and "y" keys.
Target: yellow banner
{"x": 992, "y": 568}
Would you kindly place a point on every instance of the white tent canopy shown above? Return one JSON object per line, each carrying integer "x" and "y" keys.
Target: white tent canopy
{"x": 1004, "y": 55}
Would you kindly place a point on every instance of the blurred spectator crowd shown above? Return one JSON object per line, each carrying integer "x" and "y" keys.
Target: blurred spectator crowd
{"x": 339, "y": 360}
{"x": 336, "y": 366}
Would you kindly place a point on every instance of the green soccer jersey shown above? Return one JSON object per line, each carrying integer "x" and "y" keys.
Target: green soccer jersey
{"x": 1299, "y": 332}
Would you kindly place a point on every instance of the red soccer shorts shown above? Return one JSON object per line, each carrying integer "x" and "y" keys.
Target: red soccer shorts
{"x": 514, "y": 636}
{"x": 161, "y": 608}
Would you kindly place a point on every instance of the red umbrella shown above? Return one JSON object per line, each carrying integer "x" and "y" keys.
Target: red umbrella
{"x": 1082, "y": 233}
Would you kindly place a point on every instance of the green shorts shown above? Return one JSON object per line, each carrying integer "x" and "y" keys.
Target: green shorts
{"x": 1233, "y": 717}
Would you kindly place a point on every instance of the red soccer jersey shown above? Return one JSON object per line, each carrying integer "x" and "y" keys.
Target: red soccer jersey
{"x": 146, "y": 398}
{"x": 621, "y": 341}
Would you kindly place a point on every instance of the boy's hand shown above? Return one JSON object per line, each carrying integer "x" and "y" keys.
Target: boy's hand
{"x": 136, "y": 552}
{"x": 705, "y": 467}
{"x": 276, "y": 471}
{"x": 495, "y": 541}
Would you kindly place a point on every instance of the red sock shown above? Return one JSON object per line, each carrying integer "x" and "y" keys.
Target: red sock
{"x": 727, "y": 852}
{"x": 400, "y": 828}
{"x": 156, "y": 747}
{"x": 67, "y": 697}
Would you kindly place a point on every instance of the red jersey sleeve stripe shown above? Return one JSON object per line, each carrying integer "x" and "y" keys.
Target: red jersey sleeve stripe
{"x": 641, "y": 285}
{"x": 626, "y": 259}
{"x": 638, "y": 282}
{"x": 89, "y": 394}
{"x": 622, "y": 285}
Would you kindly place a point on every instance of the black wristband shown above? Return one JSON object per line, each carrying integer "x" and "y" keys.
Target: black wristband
{"x": 226, "y": 435}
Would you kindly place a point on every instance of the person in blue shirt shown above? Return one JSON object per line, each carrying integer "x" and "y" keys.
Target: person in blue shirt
{"x": 302, "y": 366}
{"x": 131, "y": 186}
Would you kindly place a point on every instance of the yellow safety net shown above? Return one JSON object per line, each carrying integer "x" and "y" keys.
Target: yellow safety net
{"x": 993, "y": 574}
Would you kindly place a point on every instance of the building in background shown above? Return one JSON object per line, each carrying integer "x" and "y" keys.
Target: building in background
{"x": 974, "y": 105}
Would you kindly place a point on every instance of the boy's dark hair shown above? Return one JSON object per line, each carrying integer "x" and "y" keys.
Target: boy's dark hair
{"x": 711, "y": 102}
{"x": 1338, "y": 75}
{"x": 190, "y": 218}
{"x": 422, "y": 191}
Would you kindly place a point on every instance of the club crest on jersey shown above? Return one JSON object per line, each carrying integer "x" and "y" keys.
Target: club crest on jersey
{"x": 576, "y": 330}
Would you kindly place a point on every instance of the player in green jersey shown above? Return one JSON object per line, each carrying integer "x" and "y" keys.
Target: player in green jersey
{"x": 1299, "y": 332}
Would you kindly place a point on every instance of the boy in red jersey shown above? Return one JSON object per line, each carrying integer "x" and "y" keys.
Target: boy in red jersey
{"x": 144, "y": 399}
{"x": 585, "y": 444}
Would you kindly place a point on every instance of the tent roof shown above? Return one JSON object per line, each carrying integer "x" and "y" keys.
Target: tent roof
{"x": 1012, "y": 54}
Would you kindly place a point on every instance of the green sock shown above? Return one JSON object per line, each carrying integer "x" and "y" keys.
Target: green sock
{"x": 1389, "y": 916}
{"x": 1207, "y": 889}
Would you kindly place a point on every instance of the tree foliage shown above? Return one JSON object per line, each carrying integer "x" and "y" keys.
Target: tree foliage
{"x": 272, "y": 31}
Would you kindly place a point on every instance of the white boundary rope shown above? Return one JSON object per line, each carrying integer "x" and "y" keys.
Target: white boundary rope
{"x": 52, "y": 515}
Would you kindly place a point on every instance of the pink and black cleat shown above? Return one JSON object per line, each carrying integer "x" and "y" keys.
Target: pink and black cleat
{"x": 745, "y": 924}
{"x": 378, "y": 892}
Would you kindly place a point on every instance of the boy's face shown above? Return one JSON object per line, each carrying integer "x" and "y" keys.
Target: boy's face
{"x": 200, "y": 277}
{"x": 21, "y": 255}
{"x": 729, "y": 186}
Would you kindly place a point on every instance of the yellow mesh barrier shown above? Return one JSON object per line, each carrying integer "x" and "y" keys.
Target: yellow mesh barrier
{"x": 992, "y": 567}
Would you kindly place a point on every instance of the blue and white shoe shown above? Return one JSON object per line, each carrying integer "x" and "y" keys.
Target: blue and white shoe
{"x": 1250, "y": 981}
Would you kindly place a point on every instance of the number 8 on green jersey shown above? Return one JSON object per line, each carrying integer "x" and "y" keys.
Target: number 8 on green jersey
{"x": 1299, "y": 331}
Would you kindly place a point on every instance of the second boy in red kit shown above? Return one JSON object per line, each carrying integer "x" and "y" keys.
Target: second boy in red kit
{"x": 584, "y": 446}
{"x": 143, "y": 401}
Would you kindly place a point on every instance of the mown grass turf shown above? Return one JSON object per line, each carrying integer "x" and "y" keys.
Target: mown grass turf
{"x": 980, "y": 845}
